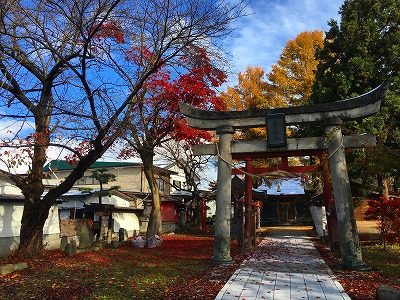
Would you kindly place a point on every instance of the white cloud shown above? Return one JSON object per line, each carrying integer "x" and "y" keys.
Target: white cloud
{"x": 261, "y": 36}
{"x": 9, "y": 128}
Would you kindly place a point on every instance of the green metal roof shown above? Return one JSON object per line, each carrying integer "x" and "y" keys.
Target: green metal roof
{"x": 62, "y": 165}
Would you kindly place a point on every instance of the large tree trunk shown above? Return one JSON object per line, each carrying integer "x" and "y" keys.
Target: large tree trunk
{"x": 155, "y": 221}
{"x": 198, "y": 210}
{"x": 32, "y": 223}
{"x": 36, "y": 207}
{"x": 35, "y": 210}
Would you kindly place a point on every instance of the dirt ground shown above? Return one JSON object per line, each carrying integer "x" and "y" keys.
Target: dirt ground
{"x": 367, "y": 230}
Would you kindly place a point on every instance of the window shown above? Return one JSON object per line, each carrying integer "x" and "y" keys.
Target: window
{"x": 177, "y": 184}
{"x": 87, "y": 180}
{"x": 160, "y": 184}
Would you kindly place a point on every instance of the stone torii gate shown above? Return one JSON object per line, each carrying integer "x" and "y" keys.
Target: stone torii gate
{"x": 331, "y": 115}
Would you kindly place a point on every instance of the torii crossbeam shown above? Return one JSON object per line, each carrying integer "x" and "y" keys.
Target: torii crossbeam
{"x": 331, "y": 115}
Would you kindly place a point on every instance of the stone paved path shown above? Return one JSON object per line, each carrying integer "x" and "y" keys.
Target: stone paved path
{"x": 284, "y": 266}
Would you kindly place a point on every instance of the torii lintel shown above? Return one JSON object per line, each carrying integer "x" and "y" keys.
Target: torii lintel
{"x": 349, "y": 109}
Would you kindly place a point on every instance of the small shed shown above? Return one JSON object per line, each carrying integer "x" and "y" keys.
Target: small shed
{"x": 115, "y": 212}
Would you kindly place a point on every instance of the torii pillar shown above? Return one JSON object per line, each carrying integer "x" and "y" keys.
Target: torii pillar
{"x": 222, "y": 238}
{"x": 347, "y": 226}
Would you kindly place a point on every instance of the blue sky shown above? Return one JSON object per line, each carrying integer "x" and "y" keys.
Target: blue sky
{"x": 261, "y": 36}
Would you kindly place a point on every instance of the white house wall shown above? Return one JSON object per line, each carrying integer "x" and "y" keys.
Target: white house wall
{"x": 7, "y": 188}
{"x": 11, "y": 215}
{"x": 10, "y": 219}
{"x": 76, "y": 203}
{"x": 10, "y": 227}
{"x": 114, "y": 200}
{"x": 178, "y": 177}
{"x": 128, "y": 221}
{"x": 52, "y": 224}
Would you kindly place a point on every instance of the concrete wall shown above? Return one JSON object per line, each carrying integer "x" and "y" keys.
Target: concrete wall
{"x": 128, "y": 221}
{"x": 8, "y": 244}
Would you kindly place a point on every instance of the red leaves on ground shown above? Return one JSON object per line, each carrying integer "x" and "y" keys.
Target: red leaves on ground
{"x": 180, "y": 269}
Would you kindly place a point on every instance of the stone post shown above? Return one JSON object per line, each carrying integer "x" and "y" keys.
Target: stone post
{"x": 347, "y": 226}
{"x": 248, "y": 196}
{"x": 240, "y": 224}
{"x": 203, "y": 215}
{"x": 330, "y": 209}
{"x": 222, "y": 238}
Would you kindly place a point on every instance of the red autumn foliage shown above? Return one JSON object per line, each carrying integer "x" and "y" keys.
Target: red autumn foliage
{"x": 155, "y": 112}
{"x": 387, "y": 211}
{"x": 111, "y": 30}
{"x": 82, "y": 148}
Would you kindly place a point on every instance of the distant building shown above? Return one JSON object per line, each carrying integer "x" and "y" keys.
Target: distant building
{"x": 133, "y": 194}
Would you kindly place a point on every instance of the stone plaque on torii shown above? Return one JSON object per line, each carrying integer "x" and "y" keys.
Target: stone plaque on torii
{"x": 331, "y": 115}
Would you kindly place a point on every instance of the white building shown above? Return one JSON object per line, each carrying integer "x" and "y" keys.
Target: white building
{"x": 11, "y": 209}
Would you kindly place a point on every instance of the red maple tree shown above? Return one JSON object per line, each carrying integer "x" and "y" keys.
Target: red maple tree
{"x": 387, "y": 211}
{"x": 154, "y": 112}
{"x": 155, "y": 115}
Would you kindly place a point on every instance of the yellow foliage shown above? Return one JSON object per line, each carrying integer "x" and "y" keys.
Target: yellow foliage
{"x": 251, "y": 92}
{"x": 291, "y": 79}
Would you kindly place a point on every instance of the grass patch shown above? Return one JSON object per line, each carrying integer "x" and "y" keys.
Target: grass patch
{"x": 386, "y": 261}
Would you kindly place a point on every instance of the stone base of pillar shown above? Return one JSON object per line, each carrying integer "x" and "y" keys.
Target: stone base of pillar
{"x": 358, "y": 267}
{"x": 222, "y": 250}
{"x": 221, "y": 260}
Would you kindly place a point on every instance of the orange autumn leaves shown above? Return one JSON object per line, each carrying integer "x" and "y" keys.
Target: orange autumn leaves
{"x": 289, "y": 83}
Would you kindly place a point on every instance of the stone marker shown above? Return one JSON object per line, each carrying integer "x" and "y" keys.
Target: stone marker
{"x": 109, "y": 236}
{"x": 6, "y": 269}
{"x": 385, "y": 292}
{"x": 20, "y": 266}
{"x": 115, "y": 244}
{"x": 86, "y": 236}
{"x": 63, "y": 243}
{"x": 71, "y": 248}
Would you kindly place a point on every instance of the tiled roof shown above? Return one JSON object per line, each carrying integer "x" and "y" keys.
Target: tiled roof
{"x": 6, "y": 197}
